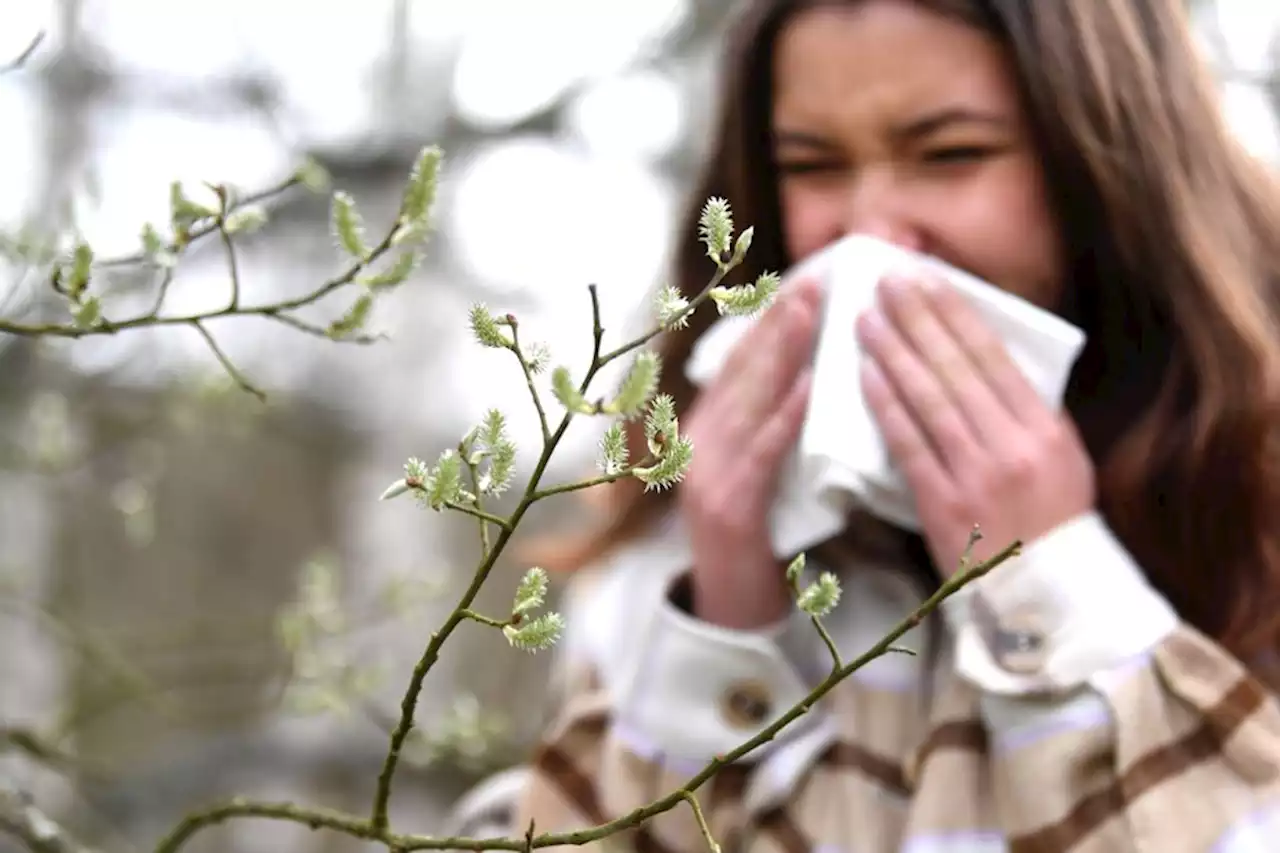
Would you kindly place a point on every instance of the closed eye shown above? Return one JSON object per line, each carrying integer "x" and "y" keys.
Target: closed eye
{"x": 806, "y": 167}
{"x": 958, "y": 154}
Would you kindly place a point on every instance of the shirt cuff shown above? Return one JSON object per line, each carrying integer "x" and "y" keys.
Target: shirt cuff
{"x": 699, "y": 690}
{"x": 1073, "y": 606}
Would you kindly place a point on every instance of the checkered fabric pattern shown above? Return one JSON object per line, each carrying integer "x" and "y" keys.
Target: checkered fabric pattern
{"x": 1128, "y": 732}
{"x": 1181, "y": 754}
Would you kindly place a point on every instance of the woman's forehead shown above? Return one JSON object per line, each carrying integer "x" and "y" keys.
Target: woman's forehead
{"x": 887, "y": 62}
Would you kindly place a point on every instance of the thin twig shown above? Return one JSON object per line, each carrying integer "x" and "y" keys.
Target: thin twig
{"x": 484, "y": 519}
{"x": 836, "y": 661}
{"x": 320, "y": 332}
{"x": 206, "y": 228}
{"x": 528, "y": 378}
{"x": 597, "y": 329}
{"x": 35, "y": 746}
{"x": 528, "y": 836}
{"x": 232, "y": 371}
{"x": 278, "y": 311}
{"x": 702, "y": 822}
{"x": 20, "y": 819}
{"x": 27, "y": 52}
{"x": 653, "y": 333}
{"x": 409, "y": 703}
{"x": 111, "y": 327}
{"x": 485, "y": 620}
{"x": 233, "y": 268}
{"x": 489, "y": 517}
{"x": 313, "y": 818}
{"x": 579, "y": 485}
{"x": 162, "y": 292}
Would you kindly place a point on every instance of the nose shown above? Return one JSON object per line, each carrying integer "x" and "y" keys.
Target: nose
{"x": 890, "y": 232}
{"x": 876, "y": 209}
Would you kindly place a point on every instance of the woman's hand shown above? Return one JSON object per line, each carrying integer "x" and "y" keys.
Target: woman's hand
{"x": 743, "y": 425}
{"x": 971, "y": 436}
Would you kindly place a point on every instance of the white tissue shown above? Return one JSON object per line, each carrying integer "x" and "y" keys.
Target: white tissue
{"x": 841, "y": 461}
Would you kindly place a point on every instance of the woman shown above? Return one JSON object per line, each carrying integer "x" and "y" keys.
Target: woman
{"x": 1109, "y": 689}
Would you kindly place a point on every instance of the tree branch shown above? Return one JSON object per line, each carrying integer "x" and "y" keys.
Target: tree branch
{"x": 34, "y": 746}
{"x": 150, "y": 319}
{"x": 488, "y": 517}
{"x": 372, "y": 830}
{"x": 22, "y": 58}
{"x": 431, "y": 654}
{"x": 232, "y": 371}
{"x": 213, "y": 222}
{"x": 21, "y": 820}
{"x": 528, "y": 378}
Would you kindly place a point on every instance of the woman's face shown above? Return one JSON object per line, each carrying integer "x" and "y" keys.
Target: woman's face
{"x": 894, "y": 121}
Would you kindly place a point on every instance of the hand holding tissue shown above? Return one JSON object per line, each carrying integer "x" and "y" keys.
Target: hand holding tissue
{"x": 841, "y": 462}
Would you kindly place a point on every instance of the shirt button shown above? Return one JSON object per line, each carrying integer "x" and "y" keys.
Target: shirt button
{"x": 1019, "y": 644}
{"x": 746, "y": 704}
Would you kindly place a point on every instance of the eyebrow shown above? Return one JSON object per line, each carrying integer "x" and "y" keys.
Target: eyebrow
{"x": 915, "y": 129}
{"x": 801, "y": 139}
{"x": 935, "y": 121}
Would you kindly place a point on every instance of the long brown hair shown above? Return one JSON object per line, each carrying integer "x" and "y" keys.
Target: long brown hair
{"x": 1173, "y": 258}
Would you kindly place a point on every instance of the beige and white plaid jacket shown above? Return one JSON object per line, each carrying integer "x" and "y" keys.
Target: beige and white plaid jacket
{"x": 1058, "y": 706}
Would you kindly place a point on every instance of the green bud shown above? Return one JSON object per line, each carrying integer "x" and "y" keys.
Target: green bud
{"x": 417, "y": 470}
{"x": 671, "y": 308}
{"x": 499, "y": 450}
{"x": 670, "y": 469}
{"x": 88, "y": 313}
{"x": 538, "y": 357}
{"x": 444, "y": 481}
{"x": 639, "y": 385}
{"x": 313, "y": 176}
{"x": 795, "y": 569}
{"x": 536, "y": 634}
{"x": 715, "y": 227}
{"x": 660, "y": 424}
{"x": 184, "y": 212}
{"x": 746, "y": 300}
{"x": 821, "y": 597}
{"x": 152, "y": 243}
{"x": 741, "y": 247}
{"x": 246, "y": 220}
{"x": 613, "y": 449}
{"x": 395, "y": 490}
{"x": 348, "y": 226}
{"x": 354, "y": 319}
{"x": 392, "y": 275}
{"x": 485, "y": 328}
{"x": 568, "y": 394}
{"x": 420, "y": 193}
{"x": 81, "y": 267}
{"x": 532, "y": 591}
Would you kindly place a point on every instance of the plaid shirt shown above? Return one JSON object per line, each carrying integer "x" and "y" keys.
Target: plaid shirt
{"x": 1056, "y": 706}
